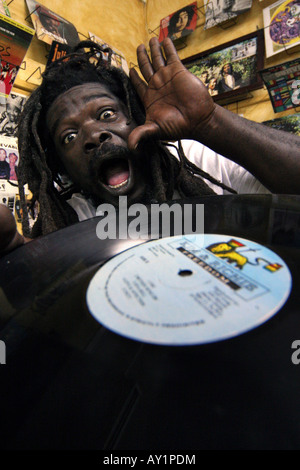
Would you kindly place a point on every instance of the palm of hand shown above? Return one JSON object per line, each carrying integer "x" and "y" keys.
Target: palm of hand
{"x": 176, "y": 102}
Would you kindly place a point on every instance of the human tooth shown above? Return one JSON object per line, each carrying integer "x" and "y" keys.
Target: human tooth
{"x": 118, "y": 185}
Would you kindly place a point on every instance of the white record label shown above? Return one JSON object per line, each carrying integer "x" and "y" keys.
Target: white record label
{"x": 189, "y": 289}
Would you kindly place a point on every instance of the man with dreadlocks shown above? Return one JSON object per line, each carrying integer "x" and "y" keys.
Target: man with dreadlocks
{"x": 89, "y": 134}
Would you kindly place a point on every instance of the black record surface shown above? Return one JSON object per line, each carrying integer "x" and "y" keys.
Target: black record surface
{"x": 69, "y": 383}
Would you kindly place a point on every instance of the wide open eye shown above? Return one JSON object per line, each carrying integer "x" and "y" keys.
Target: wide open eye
{"x": 106, "y": 114}
{"x": 69, "y": 137}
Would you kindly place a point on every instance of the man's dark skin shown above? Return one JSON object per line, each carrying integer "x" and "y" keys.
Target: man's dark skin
{"x": 177, "y": 106}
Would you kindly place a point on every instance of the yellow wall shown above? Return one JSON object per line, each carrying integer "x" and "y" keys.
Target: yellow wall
{"x": 118, "y": 22}
{"x": 126, "y": 23}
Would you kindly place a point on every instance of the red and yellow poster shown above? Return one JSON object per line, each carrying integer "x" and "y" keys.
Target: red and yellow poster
{"x": 15, "y": 39}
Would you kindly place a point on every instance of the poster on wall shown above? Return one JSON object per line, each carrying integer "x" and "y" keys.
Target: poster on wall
{"x": 9, "y": 189}
{"x": 117, "y": 58}
{"x": 10, "y": 109}
{"x": 219, "y": 11}
{"x": 290, "y": 123}
{"x": 9, "y": 157}
{"x": 15, "y": 40}
{"x": 230, "y": 70}
{"x": 281, "y": 26}
{"x": 179, "y": 24}
{"x": 283, "y": 84}
{"x": 51, "y": 27}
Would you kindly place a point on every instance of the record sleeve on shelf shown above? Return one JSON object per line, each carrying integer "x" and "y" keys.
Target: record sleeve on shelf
{"x": 15, "y": 41}
{"x": 49, "y": 26}
{"x": 57, "y": 51}
{"x": 10, "y": 109}
{"x": 283, "y": 84}
{"x": 281, "y": 26}
{"x": 179, "y": 24}
{"x": 117, "y": 58}
{"x": 217, "y": 12}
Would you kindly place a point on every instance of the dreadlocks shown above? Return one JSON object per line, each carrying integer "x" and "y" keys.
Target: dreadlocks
{"x": 40, "y": 169}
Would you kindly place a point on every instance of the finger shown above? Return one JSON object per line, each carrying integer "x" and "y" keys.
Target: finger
{"x": 170, "y": 51}
{"x": 144, "y": 62}
{"x": 139, "y": 84}
{"x": 158, "y": 60}
{"x": 142, "y": 133}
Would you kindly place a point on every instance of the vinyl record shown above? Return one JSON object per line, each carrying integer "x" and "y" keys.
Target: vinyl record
{"x": 190, "y": 289}
{"x": 70, "y": 382}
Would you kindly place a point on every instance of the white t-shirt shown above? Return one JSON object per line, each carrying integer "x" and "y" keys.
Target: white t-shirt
{"x": 221, "y": 168}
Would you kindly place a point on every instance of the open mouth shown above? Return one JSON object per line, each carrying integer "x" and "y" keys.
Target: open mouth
{"x": 115, "y": 173}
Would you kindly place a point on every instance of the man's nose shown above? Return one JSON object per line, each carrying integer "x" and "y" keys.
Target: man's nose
{"x": 95, "y": 139}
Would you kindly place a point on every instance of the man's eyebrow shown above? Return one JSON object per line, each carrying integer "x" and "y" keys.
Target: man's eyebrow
{"x": 89, "y": 98}
{"x": 86, "y": 100}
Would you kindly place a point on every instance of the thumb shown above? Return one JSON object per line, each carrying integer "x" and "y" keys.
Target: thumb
{"x": 141, "y": 133}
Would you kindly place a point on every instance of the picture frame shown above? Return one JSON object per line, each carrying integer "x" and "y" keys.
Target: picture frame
{"x": 230, "y": 71}
{"x": 283, "y": 84}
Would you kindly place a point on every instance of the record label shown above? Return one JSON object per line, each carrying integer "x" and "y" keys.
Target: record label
{"x": 189, "y": 289}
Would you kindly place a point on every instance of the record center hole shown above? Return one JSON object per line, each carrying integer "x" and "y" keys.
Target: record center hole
{"x": 185, "y": 272}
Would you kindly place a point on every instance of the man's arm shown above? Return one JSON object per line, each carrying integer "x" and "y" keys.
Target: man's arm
{"x": 272, "y": 156}
{"x": 178, "y": 106}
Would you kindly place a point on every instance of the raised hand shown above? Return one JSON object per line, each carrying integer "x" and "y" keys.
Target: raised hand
{"x": 177, "y": 103}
